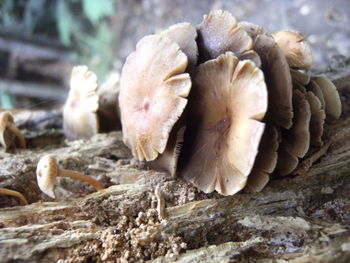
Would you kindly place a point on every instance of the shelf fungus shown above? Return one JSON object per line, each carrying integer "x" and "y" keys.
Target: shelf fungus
{"x": 90, "y": 109}
{"x": 10, "y": 135}
{"x": 252, "y": 113}
{"x": 47, "y": 171}
{"x": 9, "y": 192}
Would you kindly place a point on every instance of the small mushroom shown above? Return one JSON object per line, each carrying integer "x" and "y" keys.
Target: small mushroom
{"x": 222, "y": 151}
{"x": 219, "y": 33}
{"x": 331, "y": 97}
{"x": 153, "y": 91}
{"x": 47, "y": 170}
{"x": 278, "y": 80}
{"x": 252, "y": 29}
{"x": 266, "y": 160}
{"x": 9, "y": 133}
{"x": 14, "y": 193}
{"x": 80, "y": 118}
{"x": 286, "y": 162}
{"x": 184, "y": 34}
{"x": 295, "y": 47}
{"x": 315, "y": 89}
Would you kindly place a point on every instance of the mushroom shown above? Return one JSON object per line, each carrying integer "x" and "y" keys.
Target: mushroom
{"x": 315, "y": 88}
{"x": 14, "y": 193}
{"x": 278, "y": 80}
{"x": 47, "y": 170}
{"x": 153, "y": 91}
{"x": 286, "y": 162}
{"x": 331, "y": 97}
{"x": 9, "y": 133}
{"x": 266, "y": 160}
{"x": 80, "y": 118}
{"x": 252, "y": 29}
{"x": 219, "y": 33}
{"x": 184, "y": 34}
{"x": 228, "y": 100}
{"x": 295, "y": 47}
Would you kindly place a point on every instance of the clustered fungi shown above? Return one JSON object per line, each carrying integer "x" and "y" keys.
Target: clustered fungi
{"x": 228, "y": 99}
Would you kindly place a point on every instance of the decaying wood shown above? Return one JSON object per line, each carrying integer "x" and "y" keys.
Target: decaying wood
{"x": 302, "y": 218}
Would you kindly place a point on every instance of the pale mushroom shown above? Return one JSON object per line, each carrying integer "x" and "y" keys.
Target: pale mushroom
{"x": 47, "y": 171}
{"x": 266, "y": 160}
{"x": 184, "y": 34}
{"x": 278, "y": 80}
{"x": 153, "y": 91}
{"x": 80, "y": 118}
{"x": 228, "y": 100}
{"x": 9, "y": 133}
{"x": 219, "y": 33}
{"x": 295, "y": 47}
{"x": 331, "y": 97}
{"x": 14, "y": 193}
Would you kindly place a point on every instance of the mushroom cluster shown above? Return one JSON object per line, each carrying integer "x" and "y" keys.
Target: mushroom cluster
{"x": 224, "y": 104}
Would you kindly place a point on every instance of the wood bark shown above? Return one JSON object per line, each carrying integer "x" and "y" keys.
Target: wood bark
{"x": 299, "y": 218}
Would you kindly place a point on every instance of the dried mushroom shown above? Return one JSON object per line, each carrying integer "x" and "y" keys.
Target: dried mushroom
{"x": 219, "y": 33}
{"x": 153, "y": 91}
{"x": 295, "y": 47}
{"x": 300, "y": 77}
{"x": 80, "y": 118}
{"x": 47, "y": 171}
{"x": 226, "y": 140}
{"x": 278, "y": 80}
{"x": 10, "y": 135}
{"x": 184, "y": 34}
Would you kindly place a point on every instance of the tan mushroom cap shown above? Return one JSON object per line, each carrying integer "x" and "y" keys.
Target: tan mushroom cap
{"x": 80, "y": 110}
{"x": 184, "y": 34}
{"x": 331, "y": 97}
{"x": 219, "y": 33}
{"x": 296, "y": 140}
{"x": 252, "y": 29}
{"x": 167, "y": 161}
{"x": 265, "y": 162}
{"x": 226, "y": 139}
{"x": 315, "y": 88}
{"x": 153, "y": 91}
{"x": 300, "y": 77}
{"x": 278, "y": 80}
{"x": 318, "y": 117}
{"x": 46, "y": 173}
{"x": 295, "y": 47}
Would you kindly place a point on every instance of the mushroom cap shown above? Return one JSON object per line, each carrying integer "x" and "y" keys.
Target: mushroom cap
{"x": 46, "y": 173}
{"x": 266, "y": 160}
{"x": 318, "y": 117}
{"x": 252, "y": 29}
{"x": 79, "y": 113}
{"x": 278, "y": 80}
{"x": 7, "y": 138}
{"x": 225, "y": 142}
{"x": 295, "y": 47}
{"x": 296, "y": 140}
{"x": 184, "y": 34}
{"x": 167, "y": 161}
{"x": 219, "y": 33}
{"x": 300, "y": 77}
{"x": 331, "y": 97}
{"x": 153, "y": 91}
{"x": 286, "y": 162}
{"x": 315, "y": 89}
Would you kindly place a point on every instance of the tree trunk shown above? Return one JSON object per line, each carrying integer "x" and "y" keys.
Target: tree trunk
{"x": 301, "y": 218}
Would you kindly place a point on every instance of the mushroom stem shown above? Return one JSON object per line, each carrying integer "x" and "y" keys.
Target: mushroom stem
{"x": 14, "y": 193}
{"x": 21, "y": 139}
{"x": 80, "y": 176}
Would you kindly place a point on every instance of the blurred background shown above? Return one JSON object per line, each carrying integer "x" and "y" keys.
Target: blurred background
{"x": 40, "y": 40}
